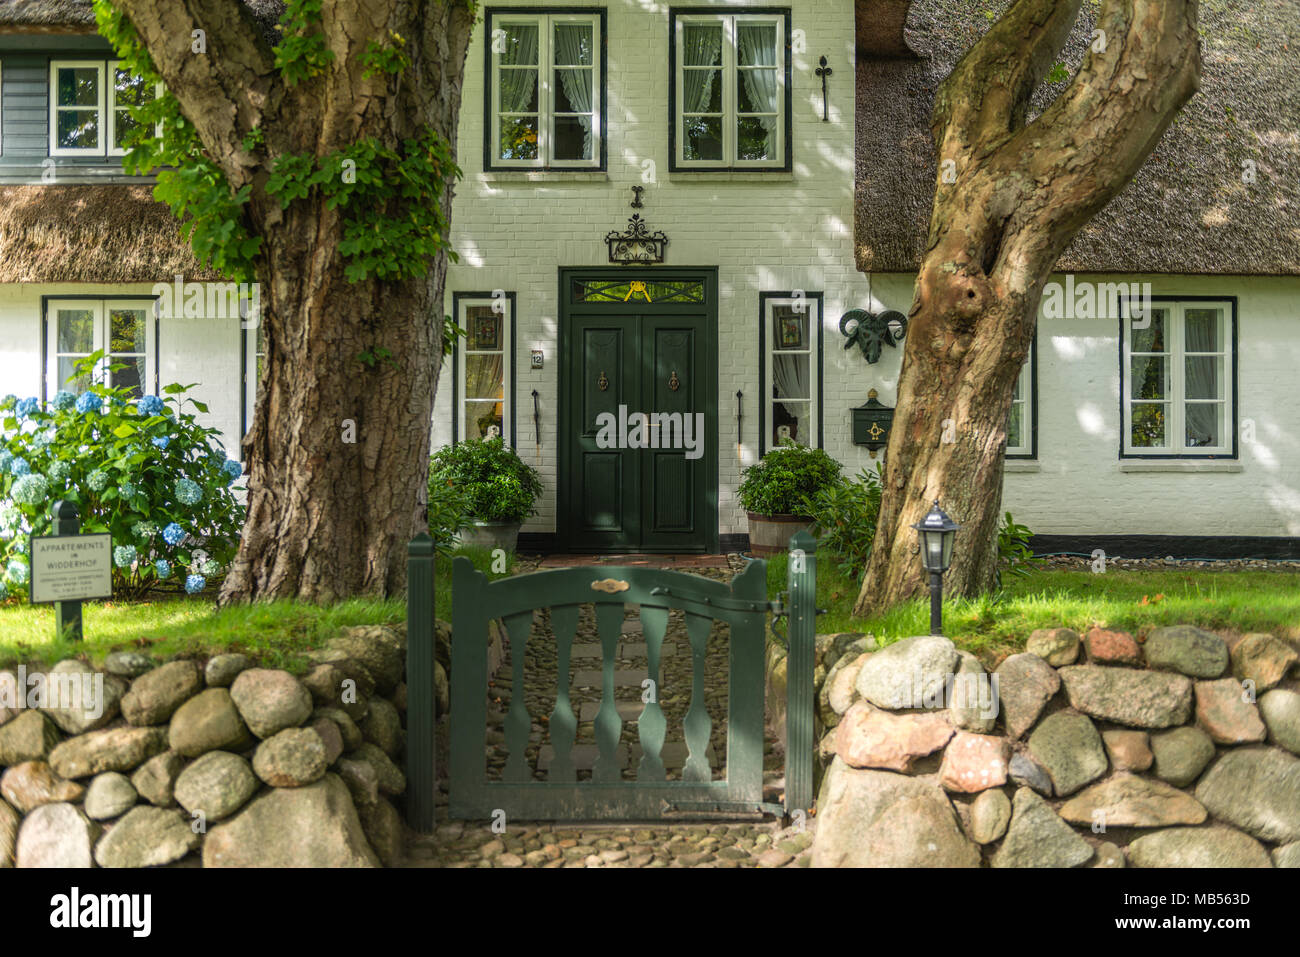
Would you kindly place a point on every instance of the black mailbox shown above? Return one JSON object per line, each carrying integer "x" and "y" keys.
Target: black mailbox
{"x": 871, "y": 422}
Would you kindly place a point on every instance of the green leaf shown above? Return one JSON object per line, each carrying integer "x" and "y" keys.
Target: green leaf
{"x": 124, "y": 431}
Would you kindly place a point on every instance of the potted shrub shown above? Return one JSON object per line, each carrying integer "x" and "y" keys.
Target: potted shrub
{"x": 774, "y": 490}
{"x": 499, "y": 489}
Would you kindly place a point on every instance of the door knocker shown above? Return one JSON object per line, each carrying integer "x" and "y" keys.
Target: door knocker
{"x": 602, "y": 383}
{"x": 674, "y": 383}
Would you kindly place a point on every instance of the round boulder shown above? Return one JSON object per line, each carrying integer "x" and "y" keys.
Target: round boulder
{"x": 292, "y": 758}
{"x": 270, "y": 701}
{"x": 109, "y": 795}
{"x": 217, "y": 785}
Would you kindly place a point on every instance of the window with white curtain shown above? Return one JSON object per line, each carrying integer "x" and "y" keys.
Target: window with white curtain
{"x": 483, "y": 371}
{"x": 125, "y": 329}
{"x": 1020, "y": 420}
{"x": 1179, "y": 379}
{"x": 730, "y": 89}
{"x": 546, "y": 79}
{"x": 791, "y": 373}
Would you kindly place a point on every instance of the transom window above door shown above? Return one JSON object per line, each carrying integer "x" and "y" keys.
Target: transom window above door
{"x": 125, "y": 329}
{"x": 91, "y": 103}
{"x": 730, "y": 91}
{"x": 1179, "y": 372}
{"x": 545, "y": 90}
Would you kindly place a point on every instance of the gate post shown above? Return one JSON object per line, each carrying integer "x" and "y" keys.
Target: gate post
{"x": 801, "y": 582}
{"x": 421, "y": 777}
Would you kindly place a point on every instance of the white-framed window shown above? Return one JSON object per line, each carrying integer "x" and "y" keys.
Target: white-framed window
{"x": 254, "y": 363}
{"x": 1020, "y": 421}
{"x": 483, "y": 367}
{"x": 546, "y": 96}
{"x": 126, "y": 91}
{"x": 791, "y": 392}
{"x": 730, "y": 91}
{"x": 125, "y": 329}
{"x": 90, "y": 103}
{"x": 77, "y": 100}
{"x": 1178, "y": 379}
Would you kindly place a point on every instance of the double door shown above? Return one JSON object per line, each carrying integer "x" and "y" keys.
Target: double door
{"x": 639, "y": 468}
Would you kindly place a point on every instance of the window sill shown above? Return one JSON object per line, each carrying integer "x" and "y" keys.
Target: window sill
{"x": 731, "y": 176}
{"x": 1180, "y": 465}
{"x": 1020, "y": 465}
{"x": 543, "y": 176}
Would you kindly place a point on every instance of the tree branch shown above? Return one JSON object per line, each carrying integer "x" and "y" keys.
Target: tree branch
{"x": 986, "y": 96}
{"x": 224, "y": 92}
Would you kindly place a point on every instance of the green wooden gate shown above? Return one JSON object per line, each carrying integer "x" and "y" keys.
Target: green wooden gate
{"x": 743, "y": 605}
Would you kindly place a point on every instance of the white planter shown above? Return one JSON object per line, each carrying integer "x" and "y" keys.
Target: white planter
{"x": 491, "y": 535}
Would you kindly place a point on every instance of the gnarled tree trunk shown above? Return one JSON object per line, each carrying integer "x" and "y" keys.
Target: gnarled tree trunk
{"x": 339, "y": 445}
{"x": 1020, "y": 194}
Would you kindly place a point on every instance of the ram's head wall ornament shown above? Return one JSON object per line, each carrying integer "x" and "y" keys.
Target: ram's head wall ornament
{"x": 869, "y": 332}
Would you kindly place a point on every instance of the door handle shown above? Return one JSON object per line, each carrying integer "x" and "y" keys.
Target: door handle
{"x": 674, "y": 383}
{"x": 603, "y": 382}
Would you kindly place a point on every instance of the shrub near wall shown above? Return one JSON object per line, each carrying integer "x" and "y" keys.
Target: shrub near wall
{"x": 216, "y": 762}
{"x": 1102, "y": 752}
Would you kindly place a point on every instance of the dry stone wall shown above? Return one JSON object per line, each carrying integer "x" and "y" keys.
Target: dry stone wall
{"x": 214, "y": 763}
{"x": 1102, "y": 751}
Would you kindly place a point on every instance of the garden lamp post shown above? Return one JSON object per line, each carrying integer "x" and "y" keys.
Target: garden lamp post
{"x": 936, "y": 533}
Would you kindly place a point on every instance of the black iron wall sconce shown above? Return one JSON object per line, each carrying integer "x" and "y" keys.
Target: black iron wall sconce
{"x": 869, "y": 332}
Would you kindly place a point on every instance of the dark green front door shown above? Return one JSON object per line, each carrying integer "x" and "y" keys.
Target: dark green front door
{"x": 638, "y": 450}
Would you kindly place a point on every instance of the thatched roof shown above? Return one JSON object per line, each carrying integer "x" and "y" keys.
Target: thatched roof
{"x": 91, "y": 234}
{"x": 1187, "y": 209}
{"x": 46, "y": 16}
{"x": 78, "y": 16}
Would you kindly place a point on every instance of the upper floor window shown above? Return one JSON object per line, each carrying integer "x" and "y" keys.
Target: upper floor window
{"x": 125, "y": 329}
{"x": 791, "y": 374}
{"x": 1179, "y": 373}
{"x": 90, "y": 107}
{"x": 731, "y": 91}
{"x": 546, "y": 81}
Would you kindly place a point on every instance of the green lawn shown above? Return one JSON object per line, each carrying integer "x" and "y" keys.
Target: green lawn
{"x": 1133, "y": 601}
{"x": 278, "y": 633}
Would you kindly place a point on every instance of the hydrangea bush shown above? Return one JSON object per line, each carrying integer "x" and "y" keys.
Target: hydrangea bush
{"x": 142, "y": 470}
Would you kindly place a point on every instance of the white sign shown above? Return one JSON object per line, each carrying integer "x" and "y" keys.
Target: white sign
{"x": 71, "y": 568}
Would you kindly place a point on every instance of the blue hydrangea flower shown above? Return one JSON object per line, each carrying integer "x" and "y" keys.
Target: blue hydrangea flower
{"x": 59, "y": 471}
{"x": 124, "y": 555}
{"x": 26, "y": 407}
{"x": 210, "y": 566}
{"x": 149, "y": 405}
{"x": 6, "y": 460}
{"x": 232, "y": 469}
{"x": 144, "y": 530}
{"x": 162, "y": 568}
{"x": 162, "y": 441}
{"x": 19, "y": 466}
{"x": 64, "y": 400}
{"x": 10, "y": 517}
{"x": 188, "y": 492}
{"x": 126, "y": 489}
{"x": 173, "y": 534}
{"x": 42, "y": 440}
{"x": 88, "y": 402}
{"x": 30, "y": 490}
{"x": 97, "y": 480}
{"x": 17, "y": 573}
{"x": 195, "y": 584}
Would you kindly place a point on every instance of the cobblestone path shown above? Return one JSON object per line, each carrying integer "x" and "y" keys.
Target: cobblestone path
{"x": 755, "y": 842}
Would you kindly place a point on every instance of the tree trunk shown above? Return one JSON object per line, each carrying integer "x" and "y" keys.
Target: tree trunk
{"x": 339, "y": 447}
{"x": 1019, "y": 195}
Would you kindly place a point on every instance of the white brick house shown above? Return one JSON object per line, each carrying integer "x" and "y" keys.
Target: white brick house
{"x": 782, "y": 212}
